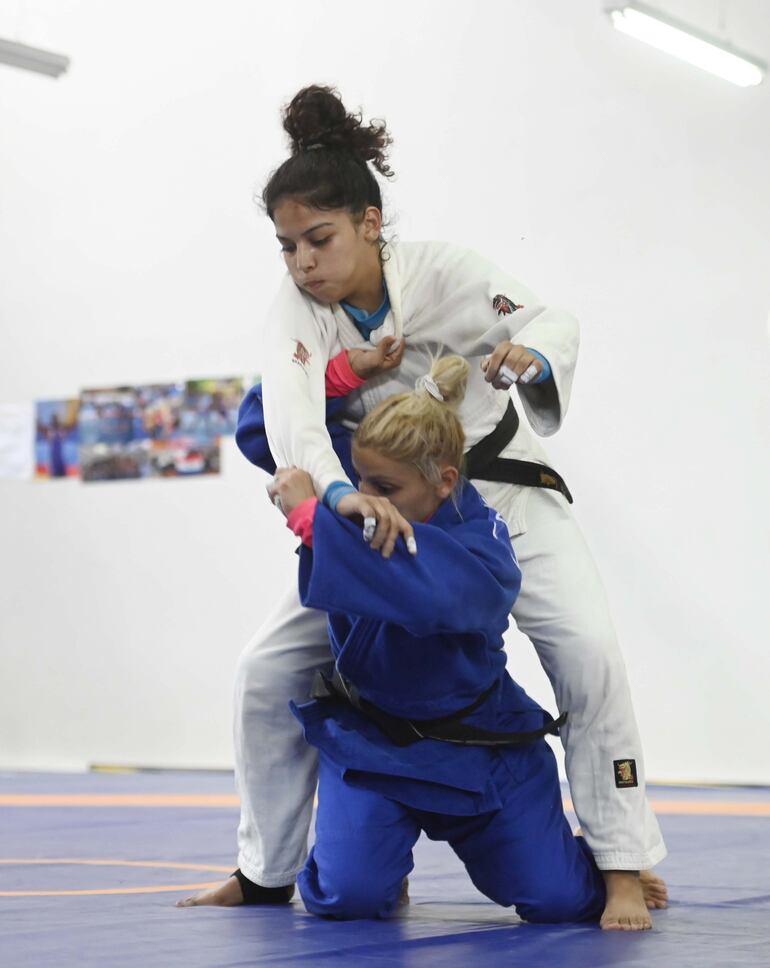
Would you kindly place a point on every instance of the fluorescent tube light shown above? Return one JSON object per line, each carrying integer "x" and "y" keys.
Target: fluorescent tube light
{"x": 686, "y": 43}
{"x": 32, "y": 58}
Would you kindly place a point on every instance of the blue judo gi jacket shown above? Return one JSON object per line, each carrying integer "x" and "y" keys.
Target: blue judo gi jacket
{"x": 251, "y": 438}
{"x": 420, "y": 637}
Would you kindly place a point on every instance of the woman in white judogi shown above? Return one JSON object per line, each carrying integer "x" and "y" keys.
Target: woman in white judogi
{"x": 384, "y": 308}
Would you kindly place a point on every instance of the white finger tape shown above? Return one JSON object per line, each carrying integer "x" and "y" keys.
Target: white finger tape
{"x": 507, "y": 376}
{"x": 370, "y": 526}
{"x": 529, "y": 374}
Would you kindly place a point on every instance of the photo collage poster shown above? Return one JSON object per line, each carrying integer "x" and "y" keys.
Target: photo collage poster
{"x": 122, "y": 433}
{"x": 157, "y": 430}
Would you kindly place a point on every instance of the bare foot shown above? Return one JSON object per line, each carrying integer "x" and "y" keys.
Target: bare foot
{"x": 626, "y": 907}
{"x": 231, "y": 893}
{"x": 654, "y": 890}
{"x": 226, "y": 894}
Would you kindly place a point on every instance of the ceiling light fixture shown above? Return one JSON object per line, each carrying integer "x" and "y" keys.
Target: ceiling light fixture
{"x": 32, "y": 58}
{"x": 686, "y": 43}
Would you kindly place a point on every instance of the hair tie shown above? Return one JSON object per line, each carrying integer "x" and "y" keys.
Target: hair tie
{"x": 316, "y": 144}
{"x": 426, "y": 382}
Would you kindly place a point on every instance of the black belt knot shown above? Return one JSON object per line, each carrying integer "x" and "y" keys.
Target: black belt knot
{"x": 483, "y": 463}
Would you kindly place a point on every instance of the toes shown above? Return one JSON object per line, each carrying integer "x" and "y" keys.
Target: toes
{"x": 615, "y": 924}
{"x": 629, "y": 924}
{"x": 656, "y": 900}
{"x": 654, "y": 903}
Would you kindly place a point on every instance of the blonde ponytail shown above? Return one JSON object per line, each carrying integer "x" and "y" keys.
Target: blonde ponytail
{"x": 419, "y": 428}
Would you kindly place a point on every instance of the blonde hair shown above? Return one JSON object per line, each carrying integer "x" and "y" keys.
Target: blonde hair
{"x": 418, "y": 429}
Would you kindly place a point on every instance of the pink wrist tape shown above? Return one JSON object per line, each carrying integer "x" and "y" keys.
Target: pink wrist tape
{"x": 300, "y": 520}
{"x": 340, "y": 376}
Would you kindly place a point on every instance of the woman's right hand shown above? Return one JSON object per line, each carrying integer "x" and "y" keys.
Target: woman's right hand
{"x": 389, "y": 521}
{"x": 289, "y": 488}
{"x": 523, "y": 365}
{"x": 386, "y": 356}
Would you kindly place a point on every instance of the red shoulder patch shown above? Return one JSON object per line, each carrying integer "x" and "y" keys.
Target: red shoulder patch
{"x": 301, "y": 354}
{"x": 504, "y": 306}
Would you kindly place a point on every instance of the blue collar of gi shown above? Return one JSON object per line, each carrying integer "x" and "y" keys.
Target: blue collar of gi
{"x": 365, "y": 322}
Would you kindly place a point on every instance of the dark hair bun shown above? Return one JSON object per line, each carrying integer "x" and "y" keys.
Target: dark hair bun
{"x": 316, "y": 117}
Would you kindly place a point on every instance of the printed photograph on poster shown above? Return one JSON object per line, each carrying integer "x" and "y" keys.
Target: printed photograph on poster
{"x": 211, "y": 406}
{"x": 185, "y": 424}
{"x": 179, "y": 446}
{"x": 146, "y": 431}
{"x": 57, "y": 442}
{"x": 113, "y": 443}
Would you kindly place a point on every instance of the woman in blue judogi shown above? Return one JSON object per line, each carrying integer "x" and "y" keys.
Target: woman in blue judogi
{"x": 419, "y": 726}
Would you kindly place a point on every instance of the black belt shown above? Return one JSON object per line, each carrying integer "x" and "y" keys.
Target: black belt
{"x": 482, "y": 462}
{"x": 450, "y": 729}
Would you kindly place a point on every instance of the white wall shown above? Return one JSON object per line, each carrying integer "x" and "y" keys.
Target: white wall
{"x": 610, "y": 178}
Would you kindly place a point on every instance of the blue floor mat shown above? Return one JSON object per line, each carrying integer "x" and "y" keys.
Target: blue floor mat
{"x": 717, "y": 872}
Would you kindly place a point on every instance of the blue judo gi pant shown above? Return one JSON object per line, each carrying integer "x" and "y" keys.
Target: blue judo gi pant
{"x": 523, "y": 854}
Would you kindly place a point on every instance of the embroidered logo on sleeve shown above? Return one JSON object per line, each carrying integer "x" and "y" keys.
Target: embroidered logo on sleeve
{"x": 301, "y": 355}
{"x": 504, "y": 306}
{"x": 625, "y": 773}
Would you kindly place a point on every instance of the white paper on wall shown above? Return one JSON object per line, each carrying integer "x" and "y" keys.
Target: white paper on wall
{"x": 17, "y": 435}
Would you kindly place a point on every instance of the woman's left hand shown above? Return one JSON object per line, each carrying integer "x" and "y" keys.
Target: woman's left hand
{"x": 516, "y": 358}
{"x": 290, "y": 487}
{"x": 386, "y": 356}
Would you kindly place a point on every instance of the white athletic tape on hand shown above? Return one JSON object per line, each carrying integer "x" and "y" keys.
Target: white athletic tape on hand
{"x": 411, "y": 545}
{"x": 529, "y": 374}
{"x": 370, "y": 526}
{"x": 277, "y": 502}
{"x": 507, "y": 376}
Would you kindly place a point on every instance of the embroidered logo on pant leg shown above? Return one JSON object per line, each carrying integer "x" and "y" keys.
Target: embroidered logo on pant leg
{"x": 625, "y": 773}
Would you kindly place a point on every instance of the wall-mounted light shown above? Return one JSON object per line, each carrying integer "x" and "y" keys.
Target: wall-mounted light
{"x": 686, "y": 42}
{"x": 32, "y": 58}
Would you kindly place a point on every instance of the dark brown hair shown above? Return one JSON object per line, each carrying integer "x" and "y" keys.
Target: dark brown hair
{"x": 330, "y": 151}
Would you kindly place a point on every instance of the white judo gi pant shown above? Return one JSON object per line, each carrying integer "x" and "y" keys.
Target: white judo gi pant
{"x": 562, "y": 608}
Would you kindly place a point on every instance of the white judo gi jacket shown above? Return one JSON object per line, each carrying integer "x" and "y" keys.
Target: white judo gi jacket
{"x": 449, "y": 300}
{"x": 444, "y": 299}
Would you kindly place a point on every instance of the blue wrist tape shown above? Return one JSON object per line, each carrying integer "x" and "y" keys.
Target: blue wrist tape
{"x": 335, "y": 492}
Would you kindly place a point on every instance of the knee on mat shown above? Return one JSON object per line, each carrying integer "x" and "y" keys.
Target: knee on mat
{"x": 349, "y": 896}
{"x": 556, "y": 904}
